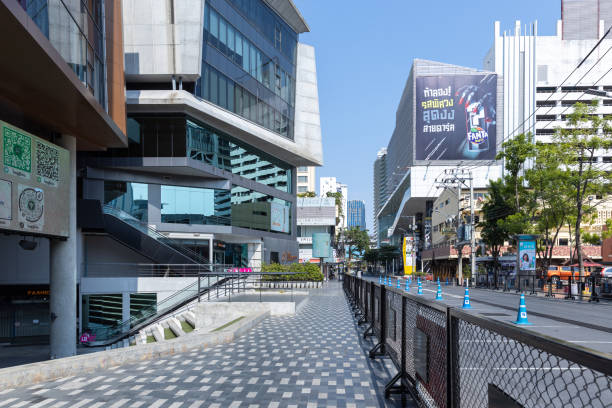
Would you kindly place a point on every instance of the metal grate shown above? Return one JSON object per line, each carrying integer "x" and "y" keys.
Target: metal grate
{"x": 489, "y": 361}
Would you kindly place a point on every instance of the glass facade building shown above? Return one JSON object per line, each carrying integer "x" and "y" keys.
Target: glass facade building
{"x": 356, "y": 214}
{"x": 75, "y": 29}
{"x": 248, "y": 63}
{"x": 180, "y": 136}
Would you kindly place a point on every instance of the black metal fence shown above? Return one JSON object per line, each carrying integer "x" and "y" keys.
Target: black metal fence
{"x": 595, "y": 286}
{"x": 448, "y": 358}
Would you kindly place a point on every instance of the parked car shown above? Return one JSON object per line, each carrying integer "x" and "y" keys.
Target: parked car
{"x": 606, "y": 272}
{"x": 557, "y": 273}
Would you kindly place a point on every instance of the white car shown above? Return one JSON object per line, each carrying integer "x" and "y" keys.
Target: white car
{"x": 606, "y": 272}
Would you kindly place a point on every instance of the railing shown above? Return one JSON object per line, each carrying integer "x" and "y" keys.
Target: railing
{"x": 146, "y": 229}
{"x": 206, "y": 286}
{"x": 148, "y": 270}
{"x": 448, "y": 358}
{"x": 593, "y": 287}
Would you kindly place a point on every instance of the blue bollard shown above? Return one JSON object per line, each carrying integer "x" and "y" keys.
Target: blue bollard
{"x": 466, "y": 299}
{"x": 420, "y": 288}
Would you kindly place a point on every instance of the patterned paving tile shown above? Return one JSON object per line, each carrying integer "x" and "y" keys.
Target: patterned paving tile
{"x": 313, "y": 359}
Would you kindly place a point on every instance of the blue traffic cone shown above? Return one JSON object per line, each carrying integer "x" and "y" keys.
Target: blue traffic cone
{"x": 407, "y": 289}
{"x": 521, "y": 317}
{"x": 420, "y": 290}
{"x": 439, "y": 292}
{"x": 399, "y": 283}
{"x": 379, "y": 280}
{"x": 446, "y": 281}
{"x": 438, "y": 281}
{"x": 466, "y": 299}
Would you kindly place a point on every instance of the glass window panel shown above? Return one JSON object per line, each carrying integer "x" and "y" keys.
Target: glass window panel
{"x": 231, "y": 39}
{"x": 131, "y": 198}
{"x": 222, "y": 35}
{"x": 253, "y": 109}
{"x": 253, "y": 55}
{"x": 214, "y": 78}
{"x": 214, "y": 26}
{"x": 246, "y": 103}
{"x": 230, "y": 96}
{"x": 222, "y": 91}
{"x": 206, "y": 17}
{"x": 238, "y": 101}
{"x": 190, "y": 205}
{"x": 245, "y": 61}
{"x": 260, "y": 112}
{"x": 259, "y": 67}
{"x": 238, "y": 56}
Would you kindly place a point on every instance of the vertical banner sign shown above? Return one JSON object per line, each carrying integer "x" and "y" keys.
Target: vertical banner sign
{"x": 456, "y": 117}
{"x": 408, "y": 251}
{"x": 527, "y": 255}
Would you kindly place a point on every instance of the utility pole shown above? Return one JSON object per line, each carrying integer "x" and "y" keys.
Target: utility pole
{"x": 450, "y": 178}
{"x": 472, "y": 226}
{"x": 459, "y": 239}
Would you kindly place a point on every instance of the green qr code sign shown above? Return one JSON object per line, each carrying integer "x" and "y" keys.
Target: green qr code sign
{"x": 17, "y": 149}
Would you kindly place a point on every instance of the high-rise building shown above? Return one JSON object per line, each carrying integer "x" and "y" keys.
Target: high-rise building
{"x": 356, "y": 214}
{"x": 63, "y": 92}
{"x": 431, "y": 137}
{"x": 306, "y": 179}
{"x": 379, "y": 187}
{"x": 582, "y": 19}
{"x": 222, "y": 107}
{"x": 331, "y": 185}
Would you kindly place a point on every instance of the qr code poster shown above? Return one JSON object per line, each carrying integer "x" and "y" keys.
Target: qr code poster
{"x": 31, "y": 208}
{"x": 47, "y": 164}
{"x": 6, "y": 204}
{"x": 17, "y": 152}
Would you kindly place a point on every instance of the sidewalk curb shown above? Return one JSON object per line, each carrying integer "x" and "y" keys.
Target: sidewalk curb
{"x": 29, "y": 374}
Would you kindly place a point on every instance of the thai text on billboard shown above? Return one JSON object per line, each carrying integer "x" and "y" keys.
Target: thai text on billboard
{"x": 456, "y": 117}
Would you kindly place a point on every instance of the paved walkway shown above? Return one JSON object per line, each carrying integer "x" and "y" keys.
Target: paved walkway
{"x": 313, "y": 359}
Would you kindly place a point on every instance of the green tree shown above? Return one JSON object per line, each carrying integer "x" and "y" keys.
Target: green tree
{"x": 357, "y": 241}
{"x": 548, "y": 185}
{"x": 494, "y": 232}
{"x": 308, "y": 194}
{"x": 585, "y": 134}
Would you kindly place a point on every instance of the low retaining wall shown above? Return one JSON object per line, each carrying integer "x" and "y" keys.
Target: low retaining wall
{"x": 210, "y": 315}
{"x": 28, "y": 374}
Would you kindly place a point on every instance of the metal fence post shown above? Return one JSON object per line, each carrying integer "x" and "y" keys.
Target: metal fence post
{"x": 199, "y": 287}
{"x": 450, "y": 401}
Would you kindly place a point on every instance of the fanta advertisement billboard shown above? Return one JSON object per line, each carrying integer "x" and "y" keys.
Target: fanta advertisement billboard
{"x": 456, "y": 117}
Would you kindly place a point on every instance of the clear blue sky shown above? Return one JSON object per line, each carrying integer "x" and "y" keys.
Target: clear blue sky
{"x": 364, "y": 52}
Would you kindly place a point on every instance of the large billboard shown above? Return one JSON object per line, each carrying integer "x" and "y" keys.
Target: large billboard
{"x": 34, "y": 183}
{"x": 456, "y": 117}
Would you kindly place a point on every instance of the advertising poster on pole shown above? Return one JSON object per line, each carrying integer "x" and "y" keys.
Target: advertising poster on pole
{"x": 408, "y": 250}
{"x": 527, "y": 255}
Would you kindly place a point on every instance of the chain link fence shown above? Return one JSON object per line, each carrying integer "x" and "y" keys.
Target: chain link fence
{"x": 448, "y": 358}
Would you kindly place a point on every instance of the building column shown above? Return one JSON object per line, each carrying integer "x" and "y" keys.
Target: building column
{"x": 63, "y": 275}
{"x": 255, "y": 255}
